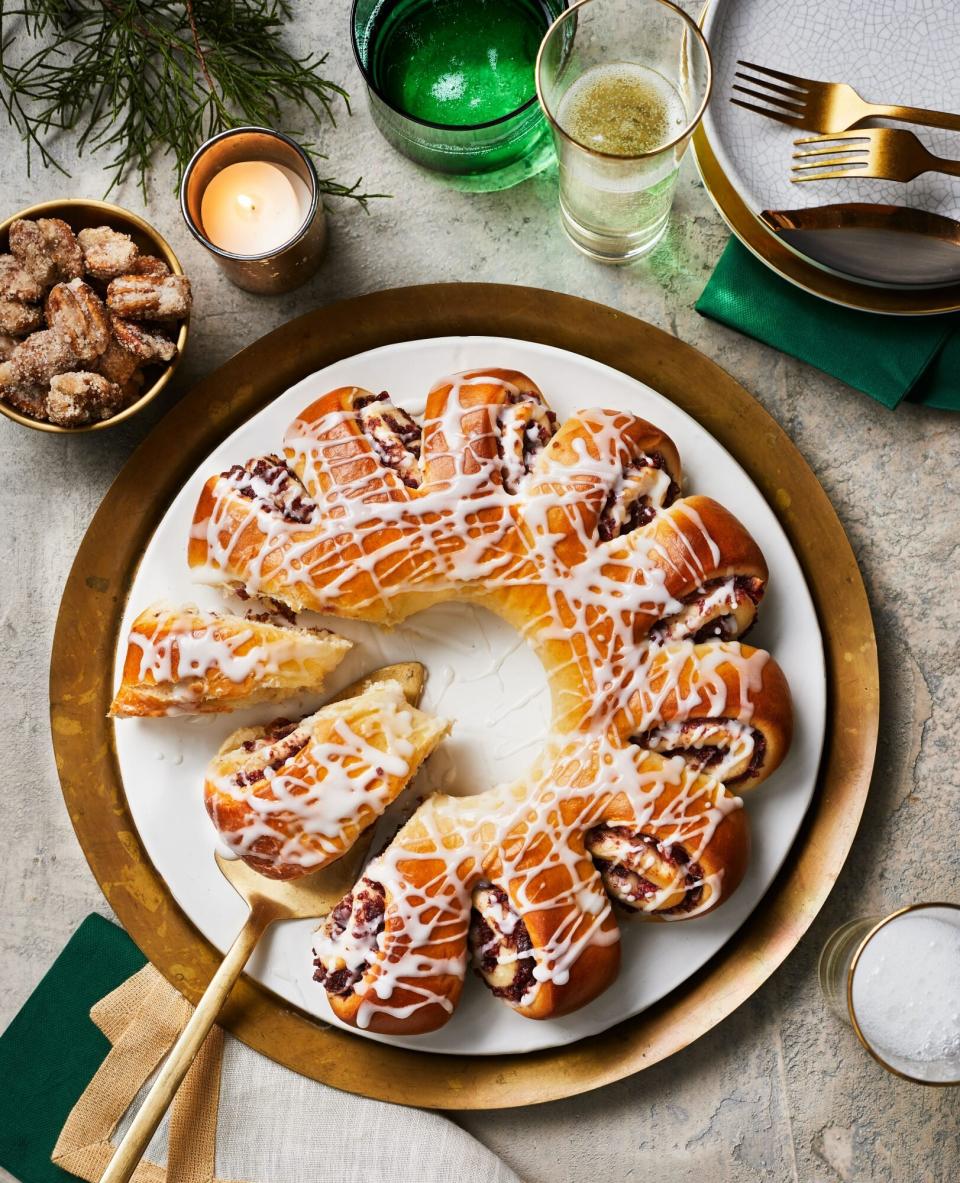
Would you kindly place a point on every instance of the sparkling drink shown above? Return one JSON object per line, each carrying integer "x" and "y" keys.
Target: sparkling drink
{"x": 624, "y": 83}
{"x": 906, "y": 993}
{"x": 620, "y": 110}
{"x": 899, "y": 981}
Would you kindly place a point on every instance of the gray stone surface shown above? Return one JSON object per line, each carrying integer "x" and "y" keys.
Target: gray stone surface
{"x": 781, "y": 1090}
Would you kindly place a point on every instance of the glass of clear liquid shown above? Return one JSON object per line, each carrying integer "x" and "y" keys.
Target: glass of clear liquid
{"x": 896, "y": 978}
{"x": 623, "y": 84}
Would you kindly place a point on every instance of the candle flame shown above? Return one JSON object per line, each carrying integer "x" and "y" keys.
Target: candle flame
{"x": 246, "y": 202}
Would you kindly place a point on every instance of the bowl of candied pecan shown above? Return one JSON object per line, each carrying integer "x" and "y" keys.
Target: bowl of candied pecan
{"x": 94, "y": 314}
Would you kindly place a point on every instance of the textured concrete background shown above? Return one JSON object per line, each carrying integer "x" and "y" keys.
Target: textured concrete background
{"x": 780, "y": 1091}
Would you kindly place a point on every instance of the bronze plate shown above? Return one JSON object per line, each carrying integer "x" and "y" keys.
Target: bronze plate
{"x": 87, "y": 634}
{"x": 789, "y": 265}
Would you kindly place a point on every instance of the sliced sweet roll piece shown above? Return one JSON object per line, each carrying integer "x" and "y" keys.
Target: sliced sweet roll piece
{"x": 543, "y": 937}
{"x": 484, "y": 429}
{"x": 724, "y": 708}
{"x": 270, "y": 484}
{"x": 603, "y": 474}
{"x": 395, "y": 436}
{"x": 644, "y": 874}
{"x": 696, "y": 572}
{"x": 526, "y": 427}
{"x": 257, "y": 529}
{"x": 183, "y": 660}
{"x": 673, "y": 845}
{"x": 392, "y": 955}
{"x": 720, "y": 609}
{"x": 352, "y": 444}
{"x": 292, "y": 798}
{"x": 349, "y": 938}
{"x": 643, "y": 487}
{"x": 725, "y": 748}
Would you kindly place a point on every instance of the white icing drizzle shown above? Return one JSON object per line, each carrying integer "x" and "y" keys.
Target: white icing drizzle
{"x": 285, "y": 804}
{"x": 524, "y": 544}
{"x": 186, "y": 654}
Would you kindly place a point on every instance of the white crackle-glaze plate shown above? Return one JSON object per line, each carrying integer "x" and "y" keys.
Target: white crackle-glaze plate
{"x": 482, "y": 676}
{"x": 891, "y": 51}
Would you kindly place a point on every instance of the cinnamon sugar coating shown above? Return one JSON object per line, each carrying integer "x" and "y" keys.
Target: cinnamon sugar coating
{"x": 117, "y": 363}
{"x": 107, "y": 253}
{"x": 25, "y": 398}
{"x": 76, "y": 310}
{"x": 18, "y": 319}
{"x": 47, "y": 249}
{"x": 82, "y": 397}
{"x": 16, "y": 282}
{"x": 144, "y": 345}
{"x": 39, "y": 358}
{"x": 150, "y": 298}
{"x": 149, "y": 265}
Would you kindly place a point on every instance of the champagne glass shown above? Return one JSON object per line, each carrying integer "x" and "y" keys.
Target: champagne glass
{"x": 896, "y": 979}
{"x": 623, "y": 83}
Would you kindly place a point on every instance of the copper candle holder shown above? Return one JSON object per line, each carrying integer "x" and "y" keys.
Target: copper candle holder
{"x": 291, "y": 263}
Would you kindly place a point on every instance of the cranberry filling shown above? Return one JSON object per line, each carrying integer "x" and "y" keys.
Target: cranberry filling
{"x": 745, "y": 589}
{"x": 708, "y": 756}
{"x": 537, "y": 432}
{"x": 281, "y": 734}
{"x": 640, "y": 511}
{"x": 280, "y": 487}
{"x": 394, "y": 435}
{"x": 487, "y": 942}
{"x": 360, "y": 918}
{"x": 628, "y": 887}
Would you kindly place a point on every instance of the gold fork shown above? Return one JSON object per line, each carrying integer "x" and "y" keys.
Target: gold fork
{"x": 882, "y": 153}
{"x": 825, "y": 106}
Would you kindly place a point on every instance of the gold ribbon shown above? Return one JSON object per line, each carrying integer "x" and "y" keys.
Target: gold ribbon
{"x": 141, "y": 1019}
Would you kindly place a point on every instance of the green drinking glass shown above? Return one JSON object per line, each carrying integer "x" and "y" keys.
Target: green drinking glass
{"x": 451, "y": 84}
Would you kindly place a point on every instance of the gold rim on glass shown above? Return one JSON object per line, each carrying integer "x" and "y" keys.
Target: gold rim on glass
{"x": 119, "y": 219}
{"x": 692, "y": 122}
{"x": 853, "y": 1014}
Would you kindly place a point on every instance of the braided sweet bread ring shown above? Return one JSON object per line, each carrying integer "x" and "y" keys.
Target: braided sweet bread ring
{"x": 634, "y": 600}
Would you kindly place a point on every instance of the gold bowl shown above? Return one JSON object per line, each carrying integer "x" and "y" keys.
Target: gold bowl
{"x": 81, "y": 214}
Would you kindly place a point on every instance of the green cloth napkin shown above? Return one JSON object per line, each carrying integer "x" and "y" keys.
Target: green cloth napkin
{"x": 890, "y": 358}
{"x": 52, "y": 1048}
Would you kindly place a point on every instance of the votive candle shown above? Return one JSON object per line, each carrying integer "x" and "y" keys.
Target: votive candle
{"x": 251, "y": 197}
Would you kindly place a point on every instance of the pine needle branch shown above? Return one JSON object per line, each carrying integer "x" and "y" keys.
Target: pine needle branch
{"x": 137, "y": 78}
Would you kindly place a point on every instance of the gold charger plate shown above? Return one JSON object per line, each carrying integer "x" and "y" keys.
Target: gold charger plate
{"x": 92, "y": 608}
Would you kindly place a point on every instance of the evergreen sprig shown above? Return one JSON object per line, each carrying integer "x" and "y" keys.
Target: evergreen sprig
{"x": 136, "y": 77}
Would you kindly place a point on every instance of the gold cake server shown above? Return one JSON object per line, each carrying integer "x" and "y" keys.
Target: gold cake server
{"x": 269, "y": 900}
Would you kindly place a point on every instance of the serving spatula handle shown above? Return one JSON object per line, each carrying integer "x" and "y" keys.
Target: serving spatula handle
{"x": 184, "y": 1051}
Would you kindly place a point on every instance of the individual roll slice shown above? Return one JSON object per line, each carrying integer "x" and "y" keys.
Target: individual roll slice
{"x": 392, "y": 954}
{"x": 723, "y": 707}
{"x": 290, "y": 798}
{"x": 483, "y": 430}
{"x": 183, "y": 660}
{"x": 673, "y": 844}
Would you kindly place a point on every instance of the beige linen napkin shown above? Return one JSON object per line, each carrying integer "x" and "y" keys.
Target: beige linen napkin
{"x": 240, "y": 1117}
